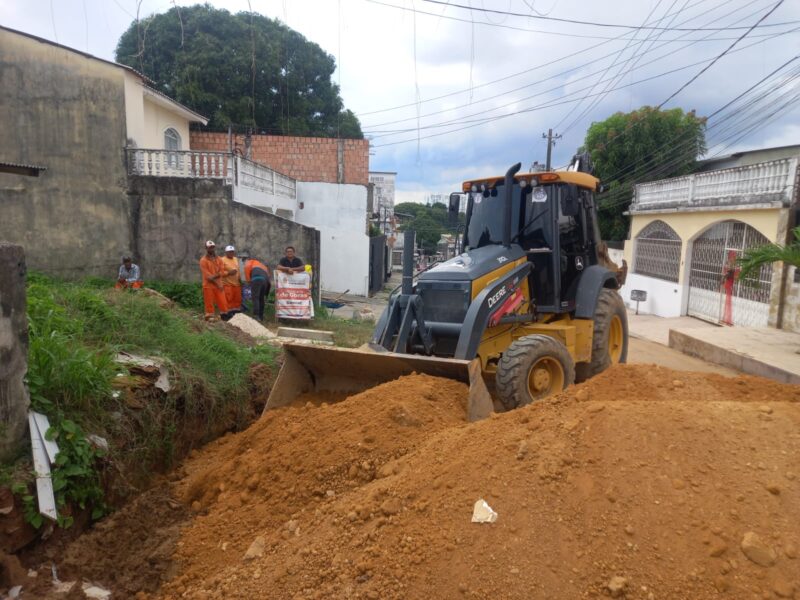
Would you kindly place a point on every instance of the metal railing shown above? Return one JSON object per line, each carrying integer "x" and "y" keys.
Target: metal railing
{"x": 179, "y": 163}
{"x": 762, "y": 182}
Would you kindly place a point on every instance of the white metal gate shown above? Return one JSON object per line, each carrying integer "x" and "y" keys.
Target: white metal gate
{"x": 707, "y": 294}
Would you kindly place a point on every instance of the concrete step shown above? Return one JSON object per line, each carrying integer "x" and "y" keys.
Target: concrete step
{"x": 762, "y": 351}
{"x": 305, "y": 334}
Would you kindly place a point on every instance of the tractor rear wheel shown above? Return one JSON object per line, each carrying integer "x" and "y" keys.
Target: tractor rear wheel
{"x": 533, "y": 367}
{"x": 610, "y": 337}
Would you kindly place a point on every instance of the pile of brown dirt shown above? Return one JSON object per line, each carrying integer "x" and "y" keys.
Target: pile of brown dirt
{"x": 641, "y": 483}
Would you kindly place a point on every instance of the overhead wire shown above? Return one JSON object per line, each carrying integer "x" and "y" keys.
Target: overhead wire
{"x": 737, "y": 116}
{"x": 614, "y": 62}
{"x": 724, "y": 52}
{"x": 677, "y": 144}
{"x": 486, "y": 120}
{"x": 548, "y": 63}
{"x": 371, "y": 128}
{"x": 579, "y": 22}
{"x": 623, "y": 71}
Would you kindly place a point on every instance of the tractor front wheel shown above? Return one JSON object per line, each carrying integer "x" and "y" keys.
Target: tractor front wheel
{"x": 610, "y": 337}
{"x": 533, "y": 367}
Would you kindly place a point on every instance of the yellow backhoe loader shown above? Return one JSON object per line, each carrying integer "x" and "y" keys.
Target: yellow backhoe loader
{"x": 528, "y": 307}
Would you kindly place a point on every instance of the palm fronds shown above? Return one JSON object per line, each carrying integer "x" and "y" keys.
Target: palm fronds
{"x": 753, "y": 259}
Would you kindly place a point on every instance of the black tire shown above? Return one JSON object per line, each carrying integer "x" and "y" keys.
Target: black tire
{"x": 516, "y": 376}
{"x": 609, "y": 306}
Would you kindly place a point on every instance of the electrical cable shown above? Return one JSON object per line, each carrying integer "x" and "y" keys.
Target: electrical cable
{"x": 592, "y": 23}
{"x": 478, "y": 122}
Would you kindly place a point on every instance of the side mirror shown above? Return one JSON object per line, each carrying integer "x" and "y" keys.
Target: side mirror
{"x": 570, "y": 207}
{"x": 452, "y": 208}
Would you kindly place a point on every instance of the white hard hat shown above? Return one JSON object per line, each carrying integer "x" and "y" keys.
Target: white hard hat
{"x": 210, "y": 244}
{"x": 230, "y": 249}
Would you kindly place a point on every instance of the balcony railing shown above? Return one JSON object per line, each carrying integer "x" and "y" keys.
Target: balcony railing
{"x": 260, "y": 178}
{"x": 179, "y": 163}
{"x": 763, "y": 182}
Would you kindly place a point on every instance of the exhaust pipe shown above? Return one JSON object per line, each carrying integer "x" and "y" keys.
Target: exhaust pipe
{"x": 509, "y": 188}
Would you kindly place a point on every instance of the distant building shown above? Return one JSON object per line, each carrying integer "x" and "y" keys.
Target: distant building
{"x": 685, "y": 231}
{"x": 383, "y": 200}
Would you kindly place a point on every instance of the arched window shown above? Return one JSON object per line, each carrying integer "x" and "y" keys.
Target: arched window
{"x": 172, "y": 139}
{"x": 657, "y": 252}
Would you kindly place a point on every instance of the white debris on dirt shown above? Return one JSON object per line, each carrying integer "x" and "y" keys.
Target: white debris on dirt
{"x": 250, "y": 326}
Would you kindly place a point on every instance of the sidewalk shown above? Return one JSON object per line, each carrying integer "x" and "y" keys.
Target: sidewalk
{"x": 656, "y": 329}
{"x": 761, "y": 351}
{"x": 765, "y": 351}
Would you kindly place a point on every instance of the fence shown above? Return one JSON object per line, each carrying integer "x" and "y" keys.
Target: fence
{"x": 260, "y": 178}
{"x": 179, "y": 163}
{"x": 762, "y": 182}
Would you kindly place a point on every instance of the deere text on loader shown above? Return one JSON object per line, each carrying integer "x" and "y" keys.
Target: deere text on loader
{"x": 529, "y": 306}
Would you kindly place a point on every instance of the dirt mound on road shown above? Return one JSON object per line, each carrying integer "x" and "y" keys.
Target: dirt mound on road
{"x": 641, "y": 483}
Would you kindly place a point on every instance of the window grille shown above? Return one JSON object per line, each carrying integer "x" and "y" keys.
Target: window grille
{"x": 657, "y": 252}
{"x": 172, "y": 140}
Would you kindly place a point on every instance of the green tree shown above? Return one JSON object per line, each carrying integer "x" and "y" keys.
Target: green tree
{"x": 429, "y": 222}
{"x": 240, "y": 68}
{"x": 754, "y": 258}
{"x": 644, "y": 145}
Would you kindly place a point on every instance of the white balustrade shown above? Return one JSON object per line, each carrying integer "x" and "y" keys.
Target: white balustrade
{"x": 261, "y": 178}
{"x": 767, "y": 181}
{"x": 179, "y": 163}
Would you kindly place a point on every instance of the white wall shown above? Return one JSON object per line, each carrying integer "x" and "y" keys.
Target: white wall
{"x": 146, "y": 121}
{"x": 340, "y": 214}
{"x": 157, "y": 120}
{"x": 134, "y": 109}
{"x": 265, "y": 201}
{"x": 664, "y": 298}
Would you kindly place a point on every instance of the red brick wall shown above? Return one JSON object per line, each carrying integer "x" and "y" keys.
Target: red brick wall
{"x": 304, "y": 158}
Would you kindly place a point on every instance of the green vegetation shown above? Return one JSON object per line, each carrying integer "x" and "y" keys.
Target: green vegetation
{"x": 430, "y": 222}
{"x": 644, "y": 145}
{"x": 240, "y": 68}
{"x": 75, "y": 331}
{"x": 755, "y": 258}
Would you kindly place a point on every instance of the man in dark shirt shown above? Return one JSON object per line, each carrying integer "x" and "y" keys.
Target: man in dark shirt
{"x": 291, "y": 263}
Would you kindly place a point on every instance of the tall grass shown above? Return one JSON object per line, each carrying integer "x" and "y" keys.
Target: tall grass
{"x": 76, "y": 330}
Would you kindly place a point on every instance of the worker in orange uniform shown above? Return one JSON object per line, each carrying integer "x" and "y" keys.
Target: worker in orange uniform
{"x": 257, "y": 275}
{"x": 213, "y": 271}
{"x": 231, "y": 282}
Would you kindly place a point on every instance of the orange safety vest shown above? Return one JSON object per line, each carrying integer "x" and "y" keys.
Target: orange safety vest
{"x": 253, "y": 264}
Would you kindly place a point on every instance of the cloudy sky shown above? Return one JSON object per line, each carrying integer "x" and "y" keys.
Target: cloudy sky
{"x": 448, "y": 93}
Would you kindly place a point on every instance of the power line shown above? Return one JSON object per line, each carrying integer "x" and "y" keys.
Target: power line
{"x": 728, "y": 49}
{"x": 592, "y": 23}
{"x": 486, "y": 120}
{"x": 561, "y": 59}
{"x": 598, "y": 99}
{"x": 677, "y": 144}
{"x": 736, "y": 117}
{"x": 382, "y": 133}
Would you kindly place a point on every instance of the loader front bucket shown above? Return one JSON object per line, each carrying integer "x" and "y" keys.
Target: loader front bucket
{"x": 343, "y": 370}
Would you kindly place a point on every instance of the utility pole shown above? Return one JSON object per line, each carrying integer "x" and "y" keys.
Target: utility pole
{"x": 551, "y": 141}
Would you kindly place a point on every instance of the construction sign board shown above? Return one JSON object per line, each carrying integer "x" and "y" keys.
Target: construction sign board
{"x": 293, "y": 296}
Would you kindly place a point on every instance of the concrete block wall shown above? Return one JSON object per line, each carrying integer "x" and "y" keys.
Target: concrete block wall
{"x": 13, "y": 349}
{"x": 172, "y": 217}
{"x": 302, "y": 158}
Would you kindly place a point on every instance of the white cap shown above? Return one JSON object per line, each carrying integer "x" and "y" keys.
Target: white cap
{"x": 210, "y": 244}
{"x": 230, "y": 249}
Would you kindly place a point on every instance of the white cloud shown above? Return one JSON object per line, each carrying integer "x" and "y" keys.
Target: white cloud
{"x": 374, "y": 47}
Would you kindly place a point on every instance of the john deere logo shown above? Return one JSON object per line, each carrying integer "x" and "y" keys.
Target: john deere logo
{"x": 497, "y": 296}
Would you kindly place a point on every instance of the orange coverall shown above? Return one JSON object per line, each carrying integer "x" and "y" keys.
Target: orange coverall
{"x": 212, "y": 289}
{"x": 231, "y": 283}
